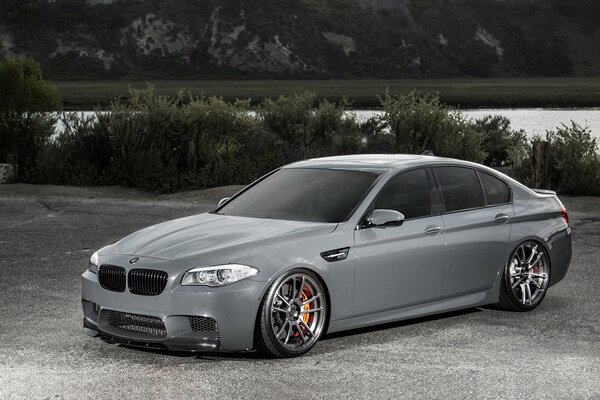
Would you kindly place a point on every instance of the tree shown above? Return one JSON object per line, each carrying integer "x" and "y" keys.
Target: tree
{"x": 503, "y": 145}
{"x": 26, "y": 103}
{"x": 418, "y": 123}
{"x": 573, "y": 159}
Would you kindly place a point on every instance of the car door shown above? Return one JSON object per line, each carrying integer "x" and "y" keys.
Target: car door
{"x": 398, "y": 266}
{"x": 477, "y": 228}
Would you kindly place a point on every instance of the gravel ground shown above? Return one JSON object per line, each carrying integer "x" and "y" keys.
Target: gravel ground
{"x": 47, "y": 234}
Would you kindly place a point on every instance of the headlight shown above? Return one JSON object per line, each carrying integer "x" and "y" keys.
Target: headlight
{"x": 93, "y": 267}
{"x": 218, "y": 275}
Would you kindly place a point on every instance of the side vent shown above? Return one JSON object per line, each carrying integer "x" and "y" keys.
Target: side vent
{"x": 335, "y": 255}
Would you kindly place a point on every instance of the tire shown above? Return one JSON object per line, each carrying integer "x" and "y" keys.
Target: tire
{"x": 291, "y": 319}
{"x": 525, "y": 278}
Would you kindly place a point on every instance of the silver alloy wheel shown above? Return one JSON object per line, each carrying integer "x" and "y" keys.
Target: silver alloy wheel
{"x": 298, "y": 312}
{"x": 529, "y": 273}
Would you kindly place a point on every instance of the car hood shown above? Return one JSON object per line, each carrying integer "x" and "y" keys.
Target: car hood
{"x": 214, "y": 233}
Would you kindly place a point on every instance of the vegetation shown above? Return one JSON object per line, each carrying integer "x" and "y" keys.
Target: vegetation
{"x": 504, "y": 147}
{"x": 183, "y": 142}
{"x": 418, "y": 123}
{"x": 573, "y": 160}
{"x": 25, "y": 124}
{"x": 522, "y": 92}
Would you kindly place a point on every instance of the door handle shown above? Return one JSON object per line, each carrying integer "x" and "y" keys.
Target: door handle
{"x": 432, "y": 230}
{"x": 501, "y": 219}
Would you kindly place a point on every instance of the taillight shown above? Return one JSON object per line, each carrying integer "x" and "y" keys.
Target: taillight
{"x": 564, "y": 215}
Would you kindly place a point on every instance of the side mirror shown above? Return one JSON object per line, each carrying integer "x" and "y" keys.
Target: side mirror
{"x": 386, "y": 217}
{"x": 223, "y": 201}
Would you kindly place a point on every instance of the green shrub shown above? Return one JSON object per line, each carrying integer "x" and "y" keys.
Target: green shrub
{"x": 333, "y": 131}
{"x": 420, "y": 123}
{"x": 217, "y": 133}
{"x": 376, "y": 135}
{"x": 182, "y": 143}
{"x": 574, "y": 163}
{"x": 310, "y": 129}
{"x": 80, "y": 155}
{"x": 146, "y": 137}
{"x": 25, "y": 122}
{"x": 288, "y": 117}
{"x": 503, "y": 145}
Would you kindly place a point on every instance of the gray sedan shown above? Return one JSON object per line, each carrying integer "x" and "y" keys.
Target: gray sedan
{"x": 326, "y": 245}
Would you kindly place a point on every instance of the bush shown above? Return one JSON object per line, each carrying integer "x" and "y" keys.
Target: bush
{"x": 146, "y": 136}
{"x": 308, "y": 131}
{"x": 182, "y": 143}
{"x": 80, "y": 155}
{"x": 574, "y": 163}
{"x": 25, "y": 122}
{"x": 506, "y": 149}
{"x": 167, "y": 144}
{"x": 376, "y": 134}
{"x": 419, "y": 123}
{"x": 217, "y": 134}
{"x": 503, "y": 146}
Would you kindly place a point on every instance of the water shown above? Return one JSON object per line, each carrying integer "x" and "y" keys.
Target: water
{"x": 531, "y": 120}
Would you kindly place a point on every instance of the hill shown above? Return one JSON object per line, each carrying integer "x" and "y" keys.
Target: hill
{"x": 199, "y": 39}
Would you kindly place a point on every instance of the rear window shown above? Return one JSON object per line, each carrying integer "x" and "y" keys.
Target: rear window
{"x": 460, "y": 187}
{"x": 496, "y": 191}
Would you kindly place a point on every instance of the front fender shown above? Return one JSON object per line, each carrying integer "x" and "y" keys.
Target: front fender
{"x": 338, "y": 277}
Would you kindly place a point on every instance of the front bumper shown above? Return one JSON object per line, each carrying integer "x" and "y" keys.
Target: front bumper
{"x": 233, "y": 307}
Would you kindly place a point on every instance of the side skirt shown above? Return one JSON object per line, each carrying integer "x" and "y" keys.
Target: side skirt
{"x": 489, "y": 296}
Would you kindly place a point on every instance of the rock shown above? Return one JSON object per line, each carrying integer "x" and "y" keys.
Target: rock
{"x": 488, "y": 39}
{"x": 6, "y": 173}
{"x": 346, "y": 42}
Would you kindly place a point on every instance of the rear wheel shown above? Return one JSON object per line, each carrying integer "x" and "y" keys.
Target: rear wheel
{"x": 526, "y": 277}
{"x": 292, "y": 315}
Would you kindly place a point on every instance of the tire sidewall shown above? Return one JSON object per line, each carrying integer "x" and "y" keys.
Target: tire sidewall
{"x": 507, "y": 280}
{"x": 266, "y": 316}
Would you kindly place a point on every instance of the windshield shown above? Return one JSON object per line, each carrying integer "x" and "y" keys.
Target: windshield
{"x": 303, "y": 194}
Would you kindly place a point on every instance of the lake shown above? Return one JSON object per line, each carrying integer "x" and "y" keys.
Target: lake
{"x": 531, "y": 120}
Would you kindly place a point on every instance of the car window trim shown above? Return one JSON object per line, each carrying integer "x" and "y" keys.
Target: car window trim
{"x": 510, "y": 192}
{"x": 249, "y": 186}
{"x": 377, "y": 174}
{"x": 430, "y": 182}
{"x": 441, "y": 193}
{"x": 362, "y": 199}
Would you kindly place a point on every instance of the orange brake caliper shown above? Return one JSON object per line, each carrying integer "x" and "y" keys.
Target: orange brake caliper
{"x": 306, "y": 307}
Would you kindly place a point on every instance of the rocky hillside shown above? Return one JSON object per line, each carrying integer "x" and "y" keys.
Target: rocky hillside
{"x": 304, "y": 38}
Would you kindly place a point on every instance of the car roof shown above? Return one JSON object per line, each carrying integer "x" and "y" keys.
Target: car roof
{"x": 370, "y": 162}
{"x": 382, "y": 163}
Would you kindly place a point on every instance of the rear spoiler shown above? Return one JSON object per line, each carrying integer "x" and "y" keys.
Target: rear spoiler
{"x": 544, "y": 191}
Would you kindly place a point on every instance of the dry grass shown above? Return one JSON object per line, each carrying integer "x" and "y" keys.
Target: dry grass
{"x": 526, "y": 92}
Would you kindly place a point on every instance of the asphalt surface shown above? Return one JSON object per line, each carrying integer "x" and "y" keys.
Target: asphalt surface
{"x": 48, "y": 233}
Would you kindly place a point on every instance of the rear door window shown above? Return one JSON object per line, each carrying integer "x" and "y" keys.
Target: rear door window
{"x": 408, "y": 193}
{"x": 496, "y": 191}
{"x": 460, "y": 187}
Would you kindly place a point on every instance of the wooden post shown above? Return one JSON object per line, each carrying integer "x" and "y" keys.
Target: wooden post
{"x": 539, "y": 165}
{"x": 191, "y": 155}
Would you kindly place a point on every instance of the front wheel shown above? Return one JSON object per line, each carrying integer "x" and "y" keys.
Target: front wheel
{"x": 526, "y": 277}
{"x": 292, "y": 315}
